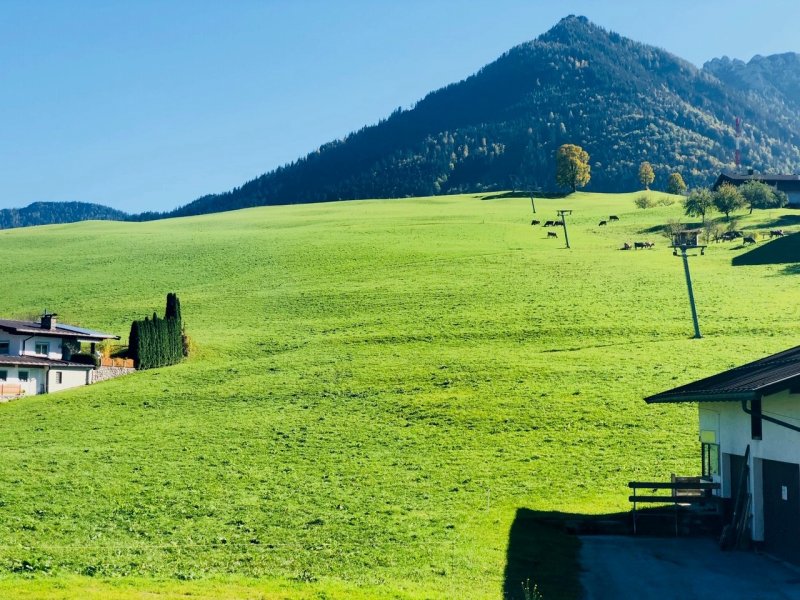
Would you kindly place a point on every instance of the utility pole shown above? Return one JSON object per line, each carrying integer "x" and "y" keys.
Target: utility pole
{"x": 683, "y": 248}
{"x": 562, "y": 214}
{"x": 533, "y": 206}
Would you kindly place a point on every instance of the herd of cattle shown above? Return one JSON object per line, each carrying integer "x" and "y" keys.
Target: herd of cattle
{"x": 728, "y": 236}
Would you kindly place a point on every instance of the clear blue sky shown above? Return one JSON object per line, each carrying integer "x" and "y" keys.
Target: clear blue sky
{"x": 148, "y": 105}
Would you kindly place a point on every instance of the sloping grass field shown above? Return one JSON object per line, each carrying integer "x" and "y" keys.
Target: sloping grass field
{"x": 378, "y": 387}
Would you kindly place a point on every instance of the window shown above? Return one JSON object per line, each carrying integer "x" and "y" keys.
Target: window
{"x": 42, "y": 348}
{"x": 23, "y": 376}
{"x": 3, "y": 375}
{"x": 710, "y": 459}
{"x": 59, "y": 377}
{"x": 5, "y": 347}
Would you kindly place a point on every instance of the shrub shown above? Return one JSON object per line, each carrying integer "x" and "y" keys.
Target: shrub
{"x": 84, "y": 358}
{"x": 644, "y": 201}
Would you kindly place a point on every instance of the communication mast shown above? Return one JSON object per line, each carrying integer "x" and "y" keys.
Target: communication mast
{"x": 737, "y": 158}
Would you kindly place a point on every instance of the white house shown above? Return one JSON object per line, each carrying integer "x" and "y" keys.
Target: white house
{"x": 749, "y": 422}
{"x": 35, "y": 357}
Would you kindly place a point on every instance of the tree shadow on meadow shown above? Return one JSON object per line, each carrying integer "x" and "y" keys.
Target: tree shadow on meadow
{"x": 543, "y": 552}
{"x": 504, "y": 195}
{"x": 544, "y": 547}
{"x": 783, "y": 250}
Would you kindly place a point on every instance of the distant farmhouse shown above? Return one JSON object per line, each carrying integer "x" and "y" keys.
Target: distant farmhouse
{"x": 749, "y": 430}
{"x": 789, "y": 184}
{"x": 35, "y": 358}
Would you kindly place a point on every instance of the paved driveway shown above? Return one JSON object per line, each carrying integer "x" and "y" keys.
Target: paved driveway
{"x": 615, "y": 567}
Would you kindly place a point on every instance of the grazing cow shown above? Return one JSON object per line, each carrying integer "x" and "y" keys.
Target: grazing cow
{"x": 535, "y": 222}
{"x": 650, "y": 244}
{"x": 637, "y": 245}
{"x": 556, "y": 223}
{"x": 613, "y": 218}
{"x": 748, "y": 240}
{"x": 776, "y": 233}
{"x": 601, "y": 223}
{"x": 552, "y": 234}
{"x": 549, "y": 224}
{"x": 626, "y": 246}
{"x": 729, "y": 236}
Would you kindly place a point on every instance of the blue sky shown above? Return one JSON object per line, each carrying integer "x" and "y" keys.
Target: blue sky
{"x": 148, "y": 105}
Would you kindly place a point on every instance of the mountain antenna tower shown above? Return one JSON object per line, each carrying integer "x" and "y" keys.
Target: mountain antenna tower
{"x": 737, "y": 157}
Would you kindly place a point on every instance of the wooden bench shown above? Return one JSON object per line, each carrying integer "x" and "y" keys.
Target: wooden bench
{"x": 10, "y": 389}
{"x": 684, "y": 491}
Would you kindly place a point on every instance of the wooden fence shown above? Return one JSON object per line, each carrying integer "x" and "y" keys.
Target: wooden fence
{"x": 10, "y": 389}
{"x": 126, "y": 363}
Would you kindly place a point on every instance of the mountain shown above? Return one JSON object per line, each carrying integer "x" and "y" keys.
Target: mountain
{"x": 623, "y": 101}
{"x": 49, "y": 213}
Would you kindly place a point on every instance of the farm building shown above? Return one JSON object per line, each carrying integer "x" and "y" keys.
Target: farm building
{"x": 749, "y": 426}
{"x": 789, "y": 184}
{"x": 35, "y": 357}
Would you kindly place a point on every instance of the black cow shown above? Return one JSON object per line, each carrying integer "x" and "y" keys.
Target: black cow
{"x": 613, "y": 218}
{"x": 601, "y": 223}
{"x": 556, "y": 223}
{"x": 535, "y": 222}
{"x": 552, "y": 234}
{"x": 776, "y": 233}
{"x": 549, "y": 224}
{"x": 637, "y": 245}
{"x": 748, "y": 240}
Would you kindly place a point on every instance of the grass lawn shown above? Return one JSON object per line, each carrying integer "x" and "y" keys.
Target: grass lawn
{"x": 379, "y": 387}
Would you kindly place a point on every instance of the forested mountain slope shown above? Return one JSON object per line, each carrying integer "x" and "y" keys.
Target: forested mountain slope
{"x": 623, "y": 101}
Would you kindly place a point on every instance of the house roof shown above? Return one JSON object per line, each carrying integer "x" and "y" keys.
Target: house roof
{"x": 38, "y": 361}
{"x": 63, "y": 331}
{"x": 783, "y": 182}
{"x": 764, "y": 376}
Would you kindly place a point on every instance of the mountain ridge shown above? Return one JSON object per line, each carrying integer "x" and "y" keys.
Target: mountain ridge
{"x": 622, "y": 100}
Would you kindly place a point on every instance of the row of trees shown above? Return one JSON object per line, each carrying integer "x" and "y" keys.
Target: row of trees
{"x": 573, "y": 171}
{"x": 729, "y": 198}
{"x": 158, "y": 342}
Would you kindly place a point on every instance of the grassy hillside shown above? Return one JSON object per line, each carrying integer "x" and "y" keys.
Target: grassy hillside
{"x": 378, "y": 389}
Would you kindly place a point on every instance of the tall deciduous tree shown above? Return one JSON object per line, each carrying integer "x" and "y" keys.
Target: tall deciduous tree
{"x": 646, "y": 174}
{"x": 758, "y": 194}
{"x": 728, "y": 199}
{"x": 572, "y": 167}
{"x": 676, "y": 185}
{"x": 698, "y": 203}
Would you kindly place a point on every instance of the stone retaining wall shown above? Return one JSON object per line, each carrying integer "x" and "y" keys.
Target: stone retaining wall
{"x": 106, "y": 373}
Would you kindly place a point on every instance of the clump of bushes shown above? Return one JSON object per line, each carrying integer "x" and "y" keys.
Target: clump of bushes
{"x": 159, "y": 342}
{"x": 645, "y": 201}
{"x": 84, "y": 358}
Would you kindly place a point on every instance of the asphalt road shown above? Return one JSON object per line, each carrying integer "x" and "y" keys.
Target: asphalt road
{"x": 616, "y": 567}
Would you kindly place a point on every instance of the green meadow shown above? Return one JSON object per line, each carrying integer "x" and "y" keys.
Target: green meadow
{"x": 377, "y": 390}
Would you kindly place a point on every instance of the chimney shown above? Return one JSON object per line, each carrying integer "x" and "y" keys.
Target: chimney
{"x": 49, "y": 321}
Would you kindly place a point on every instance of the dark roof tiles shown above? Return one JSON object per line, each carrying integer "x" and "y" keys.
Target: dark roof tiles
{"x": 34, "y": 328}
{"x": 762, "y": 376}
{"x": 38, "y": 361}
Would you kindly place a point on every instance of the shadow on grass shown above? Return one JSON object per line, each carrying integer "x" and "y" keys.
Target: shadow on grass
{"x": 782, "y": 250}
{"x": 543, "y": 547}
{"x": 503, "y": 195}
{"x": 782, "y": 221}
{"x": 543, "y": 551}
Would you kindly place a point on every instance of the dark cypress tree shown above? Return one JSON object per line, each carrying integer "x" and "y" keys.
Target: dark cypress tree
{"x": 133, "y": 343}
{"x": 173, "y": 310}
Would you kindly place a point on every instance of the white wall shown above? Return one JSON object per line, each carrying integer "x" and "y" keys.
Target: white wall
{"x": 777, "y": 442}
{"x": 70, "y": 378}
{"x": 17, "y": 341}
{"x": 35, "y": 378}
